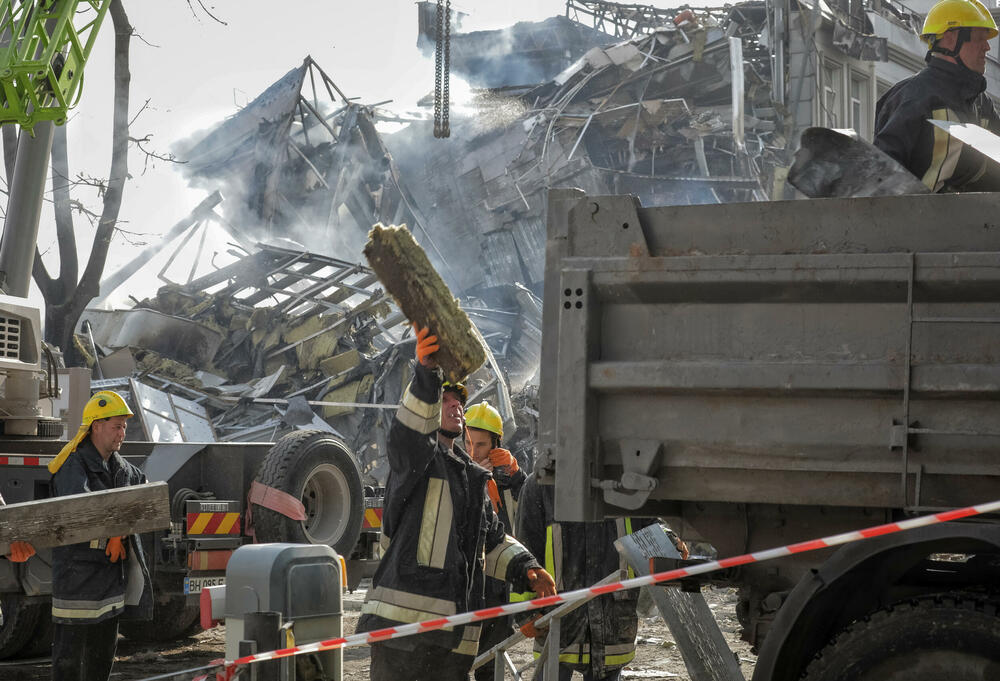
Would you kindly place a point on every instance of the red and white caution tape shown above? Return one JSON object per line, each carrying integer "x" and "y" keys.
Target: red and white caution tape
{"x": 400, "y": 631}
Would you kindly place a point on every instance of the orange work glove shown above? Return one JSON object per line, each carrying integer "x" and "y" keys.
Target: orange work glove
{"x": 493, "y": 493}
{"x": 426, "y": 346}
{"x": 21, "y": 551}
{"x": 541, "y": 582}
{"x": 529, "y": 630}
{"x": 502, "y": 457}
{"x": 115, "y": 550}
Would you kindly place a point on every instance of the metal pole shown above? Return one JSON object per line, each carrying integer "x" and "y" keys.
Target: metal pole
{"x": 736, "y": 67}
{"x": 24, "y": 208}
{"x": 778, "y": 52}
{"x": 264, "y": 628}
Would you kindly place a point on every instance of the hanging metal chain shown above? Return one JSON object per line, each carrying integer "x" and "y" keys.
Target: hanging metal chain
{"x": 438, "y": 49}
{"x": 442, "y": 69}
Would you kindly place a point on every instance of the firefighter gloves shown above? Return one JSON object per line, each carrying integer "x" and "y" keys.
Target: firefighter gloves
{"x": 541, "y": 582}
{"x": 426, "y": 346}
{"x": 21, "y": 551}
{"x": 502, "y": 457}
{"x": 529, "y": 630}
{"x": 115, "y": 550}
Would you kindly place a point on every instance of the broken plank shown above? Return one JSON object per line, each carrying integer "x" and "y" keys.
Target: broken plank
{"x": 706, "y": 654}
{"x": 82, "y": 517}
{"x": 403, "y": 267}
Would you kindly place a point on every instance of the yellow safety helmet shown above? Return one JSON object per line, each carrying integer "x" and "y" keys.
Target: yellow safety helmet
{"x": 458, "y": 388}
{"x": 484, "y": 417}
{"x": 102, "y": 405}
{"x": 950, "y": 14}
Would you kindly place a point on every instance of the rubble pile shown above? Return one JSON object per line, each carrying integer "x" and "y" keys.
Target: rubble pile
{"x": 651, "y": 115}
{"x": 284, "y": 339}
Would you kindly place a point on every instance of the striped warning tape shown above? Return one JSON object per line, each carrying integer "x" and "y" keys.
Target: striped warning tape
{"x": 400, "y": 631}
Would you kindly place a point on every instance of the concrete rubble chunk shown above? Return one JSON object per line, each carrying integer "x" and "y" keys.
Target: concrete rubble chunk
{"x": 425, "y": 299}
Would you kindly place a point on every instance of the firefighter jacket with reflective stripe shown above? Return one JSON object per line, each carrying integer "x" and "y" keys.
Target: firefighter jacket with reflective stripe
{"x": 441, "y": 537}
{"x": 86, "y": 586}
{"x": 942, "y": 91}
{"x": 600, "y": 634}
{"x": 509, "y": 489}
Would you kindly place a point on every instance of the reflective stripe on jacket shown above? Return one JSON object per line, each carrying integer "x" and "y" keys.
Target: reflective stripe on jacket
{"x": 440, "y": 535}
{"x": 600, "y": 634}
{"x": 509, "y": 488}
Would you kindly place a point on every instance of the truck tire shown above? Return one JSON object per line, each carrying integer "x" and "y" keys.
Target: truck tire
{"x": 945, "y": 636}
{"x": 319, "y": 470}
{"x": 20, "y": 619}
{"x": 172, "y": 619}
{"x": 40, "y": 644}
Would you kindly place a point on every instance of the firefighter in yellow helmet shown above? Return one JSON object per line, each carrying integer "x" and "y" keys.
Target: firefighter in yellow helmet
{"x": 93, "y": 583}
{"x": 483, "y": 440}
{"x": 951, "y": 87}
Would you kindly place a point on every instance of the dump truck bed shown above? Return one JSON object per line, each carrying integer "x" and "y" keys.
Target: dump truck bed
{"x": 829, "y": 353}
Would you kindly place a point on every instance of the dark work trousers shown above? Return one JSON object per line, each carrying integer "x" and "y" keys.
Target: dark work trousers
{"x": 494, "y": 631}
{"x": 566, "y": 672}
{"x": 423, "y": 663}
{"x": 84, "y": 652}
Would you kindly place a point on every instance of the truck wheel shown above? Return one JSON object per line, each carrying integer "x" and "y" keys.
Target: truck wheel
{"x": 172, "y": 619}
{"x": 20, "y": 618}
{"x": 944, "y": 636}
{"x": 319, "y": 470}
{"x": 40, "y": 644}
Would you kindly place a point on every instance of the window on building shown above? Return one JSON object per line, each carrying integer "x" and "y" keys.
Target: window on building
{"x": 861, "y": 114}
{"x": 831, "y": 100}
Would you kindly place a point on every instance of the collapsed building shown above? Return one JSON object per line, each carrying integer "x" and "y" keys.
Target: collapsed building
{"x": 678, "y": 106}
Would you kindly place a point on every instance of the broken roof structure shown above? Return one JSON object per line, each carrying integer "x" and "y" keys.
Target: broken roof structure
{"x": 304, "y": 161}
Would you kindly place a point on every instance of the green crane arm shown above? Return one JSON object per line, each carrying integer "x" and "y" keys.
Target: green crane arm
{"x": 44, "y": 46}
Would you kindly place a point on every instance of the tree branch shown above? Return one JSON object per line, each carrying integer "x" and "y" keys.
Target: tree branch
{"x": 65, "y": 233}
{"x": 90, "y": 282}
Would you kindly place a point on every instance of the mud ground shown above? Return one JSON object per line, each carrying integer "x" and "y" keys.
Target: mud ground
{"x": 657, "y": 656}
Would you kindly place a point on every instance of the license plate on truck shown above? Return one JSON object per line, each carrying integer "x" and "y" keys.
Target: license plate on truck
{"x": 194, "y": 585}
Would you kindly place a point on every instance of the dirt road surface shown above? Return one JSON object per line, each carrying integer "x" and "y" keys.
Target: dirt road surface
{"x": 657, "y": 656}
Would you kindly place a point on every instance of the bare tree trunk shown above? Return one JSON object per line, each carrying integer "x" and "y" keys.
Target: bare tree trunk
{"x": 66, "y": 297}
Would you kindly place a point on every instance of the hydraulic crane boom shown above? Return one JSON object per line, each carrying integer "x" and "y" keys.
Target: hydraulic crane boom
{"x": 44, "y": 46}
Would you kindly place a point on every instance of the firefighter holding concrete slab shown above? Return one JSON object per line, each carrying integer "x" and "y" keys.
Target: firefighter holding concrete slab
{"x": 440, "y": 535}
{"x": 94, "y": 583}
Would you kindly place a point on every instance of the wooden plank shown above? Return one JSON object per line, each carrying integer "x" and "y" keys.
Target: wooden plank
{"x": 82, "y": 517}
{"x": 407, "y": 274}
{"x": 706, "y": 654}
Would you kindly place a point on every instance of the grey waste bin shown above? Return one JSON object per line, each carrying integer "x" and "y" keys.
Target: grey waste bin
{"x": 301, "y": 581}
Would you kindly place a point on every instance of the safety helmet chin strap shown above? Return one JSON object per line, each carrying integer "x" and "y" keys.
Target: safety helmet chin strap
{"x": 964, "y": 35}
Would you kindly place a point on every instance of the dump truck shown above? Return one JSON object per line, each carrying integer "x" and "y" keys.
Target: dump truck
{"x": 758, "y": 374}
